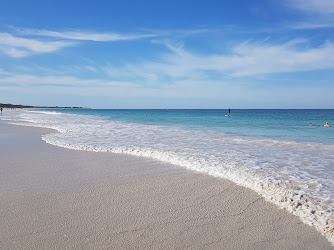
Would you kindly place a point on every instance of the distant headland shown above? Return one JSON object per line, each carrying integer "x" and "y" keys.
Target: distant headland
{"x": 16, "y": 106}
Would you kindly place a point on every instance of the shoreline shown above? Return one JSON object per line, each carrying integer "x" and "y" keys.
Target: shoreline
{"x": 61, "y": 198}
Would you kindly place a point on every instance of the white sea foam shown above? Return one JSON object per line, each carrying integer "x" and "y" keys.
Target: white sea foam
{"x": 296, "y": 176}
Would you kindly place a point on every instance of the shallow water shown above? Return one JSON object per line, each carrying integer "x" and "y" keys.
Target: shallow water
{"x": 292, "y": 125}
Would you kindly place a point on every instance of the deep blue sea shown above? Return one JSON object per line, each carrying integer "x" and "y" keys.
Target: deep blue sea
{"x": 273, "y": 152}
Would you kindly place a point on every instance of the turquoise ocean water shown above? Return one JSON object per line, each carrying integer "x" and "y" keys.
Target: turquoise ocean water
{"x": 273, "y": 152}
{"x": 277, "y": 124}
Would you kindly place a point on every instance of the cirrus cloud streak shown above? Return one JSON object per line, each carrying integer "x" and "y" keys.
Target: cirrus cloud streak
{"x": 14, "y": 46}
{"x": 85, "y": 36}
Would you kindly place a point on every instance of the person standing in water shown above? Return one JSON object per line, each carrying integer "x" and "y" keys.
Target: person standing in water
{"x": 229, "y": 112}
{"x": 326, "y": 125}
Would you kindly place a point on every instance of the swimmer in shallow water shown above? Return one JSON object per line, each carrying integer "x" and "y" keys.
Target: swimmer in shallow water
{"x": 326, "y": 125}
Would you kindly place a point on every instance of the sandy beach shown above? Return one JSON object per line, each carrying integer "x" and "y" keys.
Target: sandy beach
{"x": 56, "y": 198}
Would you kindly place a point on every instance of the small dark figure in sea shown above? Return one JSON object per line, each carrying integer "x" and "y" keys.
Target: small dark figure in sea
{"x": 1, "y": 110}
{"x": 229, "y": 111}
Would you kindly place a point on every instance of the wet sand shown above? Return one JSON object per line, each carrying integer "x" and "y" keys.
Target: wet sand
{"x": 56, "y": 198}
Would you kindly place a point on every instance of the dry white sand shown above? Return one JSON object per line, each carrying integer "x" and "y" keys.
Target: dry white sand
{"x": 55, "y": 198}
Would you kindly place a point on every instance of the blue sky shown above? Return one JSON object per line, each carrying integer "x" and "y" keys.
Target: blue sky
{"x": 168, "y": 54}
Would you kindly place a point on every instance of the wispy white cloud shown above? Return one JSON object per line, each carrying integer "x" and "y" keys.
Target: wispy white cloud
{"x": 254, "y": 59}
{"x": 32, "y": 80}
{"x": 313, "y": 6}
{"x": 312, "y": 26}
{"x": 15, "y": 46}
{"x": 180, "y": 65}
{"x": 317, "y": 14}
{"x": 247, "y": 59}
{"x": 178, "y": 33}
{"x": 31, "y": 41}
{"x": 187, "y": 75}
{"x": 84, "y": 36}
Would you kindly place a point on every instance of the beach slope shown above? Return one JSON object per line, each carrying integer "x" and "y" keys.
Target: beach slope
{"x": 56, "y": 198}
